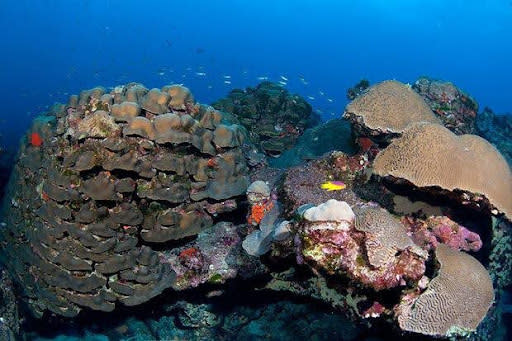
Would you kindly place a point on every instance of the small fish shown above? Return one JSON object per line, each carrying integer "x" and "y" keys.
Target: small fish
{"x": 333, "y": 186}
{"x": 321, "y": 93}
{"x": 311, "y": 98}
{"x": 200, "y": 73}
{"x": 284, "y": 78}
{"x": 330, "y": 100}
{"x": 262, "y": 78}
{"x": 282, "y": 83}
{"x": 227, "y": 77}
{"x": 227, "y": 82}
{"x": 303, "y": 80}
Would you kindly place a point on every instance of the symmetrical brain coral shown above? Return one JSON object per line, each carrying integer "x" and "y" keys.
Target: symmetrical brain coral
{"x": 117, "y": 173}
{"x": 431, "y": 155}
{"x": 456, "y": 300}
{"x": 388, "y": 107}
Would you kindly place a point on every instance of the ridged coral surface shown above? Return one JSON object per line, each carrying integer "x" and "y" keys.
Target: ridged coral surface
{"x": 390, "y": 106}
{"x": 86, "y": 207}
{"x": 456, "y": 300}
{"x": 431, "y": 155}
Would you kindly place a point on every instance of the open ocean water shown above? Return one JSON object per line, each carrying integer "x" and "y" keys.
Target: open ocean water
{"x": 78, "y": 185}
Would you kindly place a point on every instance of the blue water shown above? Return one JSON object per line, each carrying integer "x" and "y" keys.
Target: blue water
{"x": 53, "y": 48}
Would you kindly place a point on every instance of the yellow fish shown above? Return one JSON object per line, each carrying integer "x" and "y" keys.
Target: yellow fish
{"x": 333, "y": 185}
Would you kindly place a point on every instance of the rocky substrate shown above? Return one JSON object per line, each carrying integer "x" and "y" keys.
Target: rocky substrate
{"x": 274, "y": 117}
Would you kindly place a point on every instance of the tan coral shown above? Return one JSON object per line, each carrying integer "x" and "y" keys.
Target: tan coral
{"x": 431, "y": 155}
{"x": 155, "y": 101}
{"x": 140, "y": 126}
{"x": 135, "y": 92}
{"x": 180, "y": 97}
{"x": 456, "y": 300}
{"x": 386, "y": 235}
{"x": 125, "y": 111}
{"x": 390, "y": 106}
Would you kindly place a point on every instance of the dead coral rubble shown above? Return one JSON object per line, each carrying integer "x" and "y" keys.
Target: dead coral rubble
{"x": 117, "y": 173}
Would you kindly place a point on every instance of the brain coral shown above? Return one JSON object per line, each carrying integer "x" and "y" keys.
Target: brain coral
{"x": 431, "y": 155}
{"x": 456, "y": 300}
{"x": 86, "y": 208}
{"x": 385, "y": 235}
{"x": 389, "y": 107}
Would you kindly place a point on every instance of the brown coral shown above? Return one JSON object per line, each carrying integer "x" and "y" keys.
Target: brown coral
{"x": 431, "y": 155}
{"x": 456, "y": 300}
{"x": 109, "y": 183}
{"x": 389, "y": 107}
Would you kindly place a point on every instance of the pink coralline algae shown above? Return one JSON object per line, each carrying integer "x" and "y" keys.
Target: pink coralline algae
{"x": 374, "y": 311}
{"x": 339, "y": 247}
{"x": 441, "y": 229}
{"x": 212, "y": 257}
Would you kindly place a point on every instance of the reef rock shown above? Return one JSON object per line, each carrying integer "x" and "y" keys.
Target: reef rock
{"x": 368, "y": 245}
{"x": 274, "y": 117}
{"x": 116, "y": 174}
{"x": 456, "y": 109}
{"x": 496, "y": 129}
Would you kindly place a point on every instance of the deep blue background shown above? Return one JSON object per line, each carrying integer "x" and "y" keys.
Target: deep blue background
{"x": 53, "y": 48}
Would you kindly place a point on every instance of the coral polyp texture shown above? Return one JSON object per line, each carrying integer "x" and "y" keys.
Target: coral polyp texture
{"x": 117, "y": 173}
{"x": 430, "y": 155}
{"x": 387, "y": 108}
{"x": 455, "y": 301}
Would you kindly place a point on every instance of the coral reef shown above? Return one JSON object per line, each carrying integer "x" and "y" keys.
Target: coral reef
{"x": 9, "y": 312}
{"x": 429, "y": 155}
{"x": 357, "y": 89}
{"x": 440, "y": 229}
{"x": 273, "y": 117}
{"x": 129, "y": 192}
{"x": 214, "y": 257}
{"x": 496, "y": 129}
{"x": 386, "y": 110}
{"x": 317, "y": 141}
{"x": 456, "y": 109}
{"x": 462, "y": 291}
{"x": 302, "y": 184}
{"x": 369, "y": 245}
{"x": 86, "y": 208}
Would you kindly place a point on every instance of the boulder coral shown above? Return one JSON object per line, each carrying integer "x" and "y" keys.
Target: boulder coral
{"x": 431, "y": 156}
{"x": 455, "y": 301}
{"x": 386, "y": 109}
{"x": 119, "y": 172}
